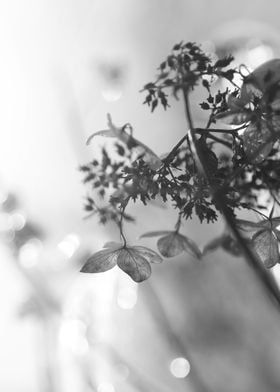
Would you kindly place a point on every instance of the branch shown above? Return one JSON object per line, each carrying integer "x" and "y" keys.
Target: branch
{"x": 263, "y": 275}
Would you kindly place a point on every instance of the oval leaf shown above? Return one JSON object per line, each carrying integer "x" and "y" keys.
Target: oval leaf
{"x": 134, "y": 264}
{"x": 171, "y": 245}
{"x": 266, "y": 246}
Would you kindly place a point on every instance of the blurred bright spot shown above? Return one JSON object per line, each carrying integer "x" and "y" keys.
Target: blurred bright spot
{"x": 105, "y": 387}
{"x": 72, "y": 335}
{"x": 17, "y": 221}
{"x": 5, "y": 224}
{"x": 259, "y": 55}
{"x": 29, "y": 253}
{"x": 3, "y": 197}
{"x": 111, "y": 95}
{"x": 69, "y": 245}
{"x": 180, "y": 367}
{"x": 127, "y": 297}
{"x": 122, "y": 372}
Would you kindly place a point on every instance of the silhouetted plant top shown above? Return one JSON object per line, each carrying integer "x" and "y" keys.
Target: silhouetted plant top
{"x": 232, "y": 163}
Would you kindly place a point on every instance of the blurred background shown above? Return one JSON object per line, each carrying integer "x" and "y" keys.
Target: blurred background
{"x": 194, "y": 326}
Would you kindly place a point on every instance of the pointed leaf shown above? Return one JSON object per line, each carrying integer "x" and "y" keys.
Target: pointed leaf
{"x": 191, "y": 247}
{"x": 171, "y": 245}
{"x": 104, "y": 133}
{"x": 135, "y": 265}
{"x": 266, "y": 246}
{"x": 101, "y": 261}
{"x": 155, "y": 233}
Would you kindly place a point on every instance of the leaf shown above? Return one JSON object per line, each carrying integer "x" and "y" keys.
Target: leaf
{"x": 226, "y": 242}
{"x": 170, "y": 245}
{"x": 258, "y": 141}
{"x": 174, "y": 244}
{"x": 154, "y": 233}
{"x": 260, "y": 80}
{"x": 104, "y": 133}
{"x": 230, "y": 245}
{"x": 101, "y": 261}
{"x": 134, "y": 264}
{"x": 191, "y": 248}
{"x": 266, "y": 246}
{"x": 213, "y": 245}
{"x": 247, "y": 225}
{"x": 272, "y": 223}
{"x": 134, "y": 260}
{"x": 148, "y": 253}
{"x": 209, "y": 157}
{"x": 152, "y": 160}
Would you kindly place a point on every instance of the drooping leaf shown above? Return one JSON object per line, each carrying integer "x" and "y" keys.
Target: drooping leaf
{"x": 101, "y": 261}
{"x": 171, "y": 245}
{"x": 134, "y": 260}
{"x": 152, "y": 160}
{"x": 174, "y": 244}
{"x": 225, "y": 242}
{"x": 134, "y": 264}
{"x": 266, "y": 246}
{"x": 148, "y": 253}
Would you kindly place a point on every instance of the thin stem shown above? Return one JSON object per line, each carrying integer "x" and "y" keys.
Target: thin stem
{"x": 178, "y": 223}
{"x": 120, "y": 224}
{"x": 174, "y": 150}
{"x": 265, "y": 278}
